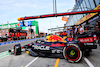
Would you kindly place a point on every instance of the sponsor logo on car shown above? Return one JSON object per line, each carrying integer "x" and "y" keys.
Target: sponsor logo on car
{"x": 41, "y": 47}
{"x": 86, "y": 40}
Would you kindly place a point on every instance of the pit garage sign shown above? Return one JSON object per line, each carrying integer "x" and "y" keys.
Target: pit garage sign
{"x": 27, "y": 23}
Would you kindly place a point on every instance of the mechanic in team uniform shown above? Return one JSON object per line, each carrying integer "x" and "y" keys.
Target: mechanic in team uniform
{"x": 68, "y": 32}
{"x": 97, "y": 28}
{"x": 76, "y": 31}
{"x": 99, "y": 32}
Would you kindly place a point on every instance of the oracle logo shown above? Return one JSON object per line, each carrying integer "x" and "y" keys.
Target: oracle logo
{"x": 86, "y": 40}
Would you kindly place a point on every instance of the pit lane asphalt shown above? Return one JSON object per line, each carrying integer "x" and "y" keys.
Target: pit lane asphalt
{"x": 24, "y": 59}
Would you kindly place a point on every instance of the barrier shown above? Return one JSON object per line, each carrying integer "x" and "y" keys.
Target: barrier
{"x": 3, "y": 43}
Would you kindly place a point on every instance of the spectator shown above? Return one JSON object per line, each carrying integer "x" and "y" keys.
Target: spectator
{"x": 68, "y": 32}
{"x": 71, "y": 33}
{"x": 81, "y": 30}
{"x": 96, "y": 27}
{"x": 76, "y": 30}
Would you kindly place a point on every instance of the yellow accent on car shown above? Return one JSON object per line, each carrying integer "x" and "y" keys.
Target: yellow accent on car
{"x": 27, "y": 52}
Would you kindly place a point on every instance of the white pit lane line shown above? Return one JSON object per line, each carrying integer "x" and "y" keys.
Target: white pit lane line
{"x": 3, "y": 55}
{"x": 88, "y": 62}
{"x": 31, "y": 61}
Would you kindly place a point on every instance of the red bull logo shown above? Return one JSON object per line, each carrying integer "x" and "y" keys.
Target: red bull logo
{"x": 55, "y": 38}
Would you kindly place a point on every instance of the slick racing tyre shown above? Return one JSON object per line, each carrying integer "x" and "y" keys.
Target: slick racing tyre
{"x": 17, "y": 49}
{"x": 72, "y": 53}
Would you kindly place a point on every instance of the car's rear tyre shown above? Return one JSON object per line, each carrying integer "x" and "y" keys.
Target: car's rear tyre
{"x": 72, "y": 53}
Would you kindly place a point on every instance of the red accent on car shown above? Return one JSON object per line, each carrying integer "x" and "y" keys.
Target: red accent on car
{"x": 28, "y": 44}
{"x": 57, "y": 45}
{"x": 69, "y": 39}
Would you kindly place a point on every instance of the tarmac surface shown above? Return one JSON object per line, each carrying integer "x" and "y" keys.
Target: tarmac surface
{"x": 25, "y": 60}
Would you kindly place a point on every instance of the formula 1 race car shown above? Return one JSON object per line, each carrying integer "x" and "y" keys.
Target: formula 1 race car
{"x": 71, "y": 49}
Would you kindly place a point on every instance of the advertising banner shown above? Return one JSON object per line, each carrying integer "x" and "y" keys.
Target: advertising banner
{"x": 88, "y": 16}
{"x": 65, "y": 18}
{"x": 6, "y": 26}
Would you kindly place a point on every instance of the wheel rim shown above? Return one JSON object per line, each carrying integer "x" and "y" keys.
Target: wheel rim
{"x": 72, "y": 52}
